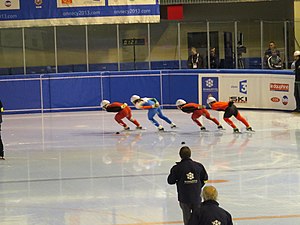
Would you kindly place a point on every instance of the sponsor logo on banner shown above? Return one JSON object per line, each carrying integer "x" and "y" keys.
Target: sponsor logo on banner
{"x": 243, "y": 87}
{"x": 8, "y": 3}
{"x": 243, "y": 90}
{"x": 79, "y": 3}
{"x": 238, "y": 99}
{"x": 210, "y": 86}
{"x": 66, "y": 1}
{"x": 38, "y": 3}
{"x": 279, "y": 87}
{"x": 275, "y": 99}
{"x": 285, "y": 100}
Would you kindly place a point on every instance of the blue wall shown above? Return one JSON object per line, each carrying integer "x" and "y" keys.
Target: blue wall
{"x": 77, "y": 91}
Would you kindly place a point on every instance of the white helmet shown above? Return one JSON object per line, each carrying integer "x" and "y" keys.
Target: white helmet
{"x": 134, "y": 98}
{"x": 180, "y": 102}
{"x": 297, "y": 53}
{"x": 210, "y": 100}
{"x": 104, "y": 103}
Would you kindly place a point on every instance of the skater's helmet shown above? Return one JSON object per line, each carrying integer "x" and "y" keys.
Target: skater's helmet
{"x": 210, "y": 100}
{"x": 180, "y": 102}
{"x": 104, "y": 103}
{"x": 134, "y": 98}
{"x": 297, "y": 53}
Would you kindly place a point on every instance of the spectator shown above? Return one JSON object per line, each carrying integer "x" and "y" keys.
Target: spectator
{"x": 214, "y": 59}
{"x": 240, "y": 50}
{"x": 189, "y": 176}
{"x": 210, "y": 213}
{"x": 297, "y": 80}
{"x": 272, "y": 58}
{"x": 1, "y": 143}
{"x": 195, "y": 60}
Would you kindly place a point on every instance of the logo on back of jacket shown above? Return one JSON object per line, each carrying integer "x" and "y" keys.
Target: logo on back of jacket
{"x": 190, "y": 178}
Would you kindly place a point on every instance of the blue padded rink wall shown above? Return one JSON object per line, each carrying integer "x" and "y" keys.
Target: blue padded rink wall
{"x": 69, "y": 167}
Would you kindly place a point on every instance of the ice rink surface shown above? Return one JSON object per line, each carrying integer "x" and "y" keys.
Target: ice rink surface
{"x": 71, "y": 168}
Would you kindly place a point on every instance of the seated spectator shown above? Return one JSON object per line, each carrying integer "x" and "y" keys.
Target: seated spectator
{"x": 209, "y": 212}
{"x": 272, "y": 58}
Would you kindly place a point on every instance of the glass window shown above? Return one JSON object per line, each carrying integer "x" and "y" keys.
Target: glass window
{"x": 134, "y": 47}
{"x": 39, "y": 50}
{"x": 71, "y": 49}
{"x": 249, "y": 45}
{"x": 274, "y": 44}
{"x": 292, "y": 42}
{"x": 11, "y": 52}
{"x": 222, "y": 37}
{"x": 164, "y": 46}
{"x": 193, "y": 35}
{"x": 297, "y": 34}
{"x": 103, "y": 54}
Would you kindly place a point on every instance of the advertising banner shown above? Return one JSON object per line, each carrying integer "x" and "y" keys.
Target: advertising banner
{"x": 209, "y": 86}
{"x": 263, "y": 91}
{"x": 28, "y": 13}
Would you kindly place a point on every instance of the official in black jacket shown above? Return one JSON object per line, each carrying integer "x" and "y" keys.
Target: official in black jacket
{"x": 297, "y": 80}
{"x": 190, "y": 177}
{"x": 209, "y": 212}
{"x": 1, "y": 143}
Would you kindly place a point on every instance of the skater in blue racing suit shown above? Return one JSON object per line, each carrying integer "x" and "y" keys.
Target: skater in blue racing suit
{"x": 153, "y": 109}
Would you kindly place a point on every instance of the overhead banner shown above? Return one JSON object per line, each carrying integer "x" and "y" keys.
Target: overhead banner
{"x": 28, "y": 13}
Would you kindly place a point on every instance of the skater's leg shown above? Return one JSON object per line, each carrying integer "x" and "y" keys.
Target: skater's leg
{"x": 229, "y": 122}
{"x": 130, "y": 118}
{"x": 162, "y": 116}
{"x": 118, "y": 117}
{"x": 195, "y": 117}
{"x": 208, "y": 116}
{"x": 242, "y": 119}
{"x": 151, "y": 114}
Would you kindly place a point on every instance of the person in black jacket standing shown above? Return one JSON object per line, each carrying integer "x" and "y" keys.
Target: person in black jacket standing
{"x": 209, "y": 212}
{"x": 189, "y": 176}
{"x": 297, "y": 80}
{"x": 1, "y": 143}
{"x": 195, "y": 60}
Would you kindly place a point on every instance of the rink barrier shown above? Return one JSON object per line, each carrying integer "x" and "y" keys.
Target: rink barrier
{"x": 85, "y": 90}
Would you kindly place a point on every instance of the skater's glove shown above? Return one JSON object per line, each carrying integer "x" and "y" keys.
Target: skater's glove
{"x": 230, "y": 103}
{"x": 123, "y": 106}
{"x": 201, "y": 107}
{"x": 2, "y": 109}
{"x": 156, "y": 105}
